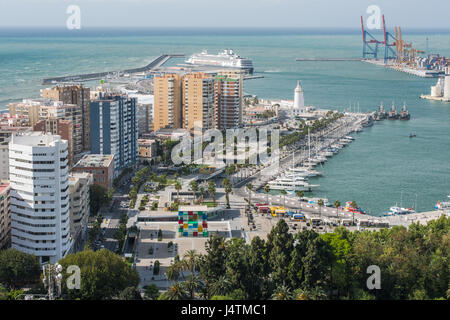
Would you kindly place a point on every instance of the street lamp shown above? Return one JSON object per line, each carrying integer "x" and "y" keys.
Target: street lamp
{"x": 52, "y": 279}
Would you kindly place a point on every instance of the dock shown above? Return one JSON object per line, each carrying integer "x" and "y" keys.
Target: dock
{"x": 429, "y": 97}
{"x": 159, "y": 61}
{"x": 328, "y": 59}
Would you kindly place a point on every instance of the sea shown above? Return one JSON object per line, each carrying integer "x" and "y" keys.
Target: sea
{"x": 381, "y": 168}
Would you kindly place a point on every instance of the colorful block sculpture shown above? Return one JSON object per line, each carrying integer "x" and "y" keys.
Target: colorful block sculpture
{"x": 192, "y": 224}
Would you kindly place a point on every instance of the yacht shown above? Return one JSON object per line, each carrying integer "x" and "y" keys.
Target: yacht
{"x": 307, "y": 172}
{"x": 226, "y": 59}
{"x": 289, "y": 184}
{"x": 326, "y": 153}
{"x": 398, "y": 211}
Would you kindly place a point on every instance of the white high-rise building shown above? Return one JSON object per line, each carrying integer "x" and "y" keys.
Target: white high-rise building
{"x": 40, "y": 211}
{"x": 299, "y": 100}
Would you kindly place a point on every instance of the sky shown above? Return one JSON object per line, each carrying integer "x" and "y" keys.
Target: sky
{"x": 430, "y": 14}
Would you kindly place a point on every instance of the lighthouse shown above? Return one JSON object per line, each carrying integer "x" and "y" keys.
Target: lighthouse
{"x": 299, "y": 100}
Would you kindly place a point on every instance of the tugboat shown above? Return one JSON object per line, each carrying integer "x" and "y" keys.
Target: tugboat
{"x": 393, "y": 114}
{"x": 381, "y": 114}
{"x": 404, "y": 115}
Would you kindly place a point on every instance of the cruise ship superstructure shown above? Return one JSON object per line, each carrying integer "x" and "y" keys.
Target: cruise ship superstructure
{"x": 225, "y": 59}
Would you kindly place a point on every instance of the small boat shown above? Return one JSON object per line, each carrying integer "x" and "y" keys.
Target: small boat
{"x": 412, "y": 135}
{"x": 444, "y": 205}
{"x": 348, "y": 207}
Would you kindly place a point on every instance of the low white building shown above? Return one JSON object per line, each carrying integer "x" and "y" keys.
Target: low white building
{"x": 79, "y": 183}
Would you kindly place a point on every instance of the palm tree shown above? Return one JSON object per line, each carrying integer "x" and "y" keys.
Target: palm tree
{"x": 267, "y": 190}
{"x": 220, "y": 287}
{"x": 282, "y": 293}
{"x": 192, "y": 284}
{"x": 177, "y": 292}
{"x": 337, "y": 204}
{"x": 250, "y": 188}
{"x": 190, "y": 260}
{"x": 178, "y": 187}
{"x": 284, "y": 193}
{"x": 230, "y": 170}
{"x": 320, "y": 204}
{"x": 228, "y": 190}
{"x": 354, "y": 206}
{"x": 194, "y": 187}
{"x": 202, "y": 192}
{"x": 300, "y": 194}
{"x": 212, "y": 190}
{"x": 173, "y": 271}
{"x": 225, "y": 182}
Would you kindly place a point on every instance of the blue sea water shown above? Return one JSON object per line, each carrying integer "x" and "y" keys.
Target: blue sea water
{"x": 374, "y": 171}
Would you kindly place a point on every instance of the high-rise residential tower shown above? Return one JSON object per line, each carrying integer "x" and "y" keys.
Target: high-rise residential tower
{"x": 167, "y": 101}
{"x": 114, "y": 129}
{"x": 39, "y": 174}
{"x": 198, "y": 107}
{"x": 74, "y": 94}
{"x": 229, "y": 89}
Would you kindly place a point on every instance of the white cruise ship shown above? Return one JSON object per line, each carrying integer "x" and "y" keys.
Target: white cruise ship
{"x": 227, "y": 59}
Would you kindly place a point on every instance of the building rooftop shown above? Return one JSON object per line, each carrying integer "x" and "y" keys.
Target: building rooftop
{"x": 3, "y": 187}
{"x": 76, "y": 175}
{"x": 146, "y": 141}
{"x": 35, "y": 139}
{"x": 95, "y": 160}
{"x": 192, "y": 208}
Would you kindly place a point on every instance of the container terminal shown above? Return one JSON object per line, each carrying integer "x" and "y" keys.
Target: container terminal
{"x": 401, "y": 55}
{"x": 395, "y": 53}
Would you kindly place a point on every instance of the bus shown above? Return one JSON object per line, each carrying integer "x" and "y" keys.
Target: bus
{"x": 298, "y": 217}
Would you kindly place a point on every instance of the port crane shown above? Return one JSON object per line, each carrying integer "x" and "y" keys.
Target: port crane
{"x": 370, "y": 43}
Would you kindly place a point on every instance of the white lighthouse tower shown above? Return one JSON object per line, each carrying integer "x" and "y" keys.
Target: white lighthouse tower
{"x": 299, "y": 100}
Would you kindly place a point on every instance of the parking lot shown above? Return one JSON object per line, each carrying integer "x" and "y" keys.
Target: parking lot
{"x": 149, "y": 249}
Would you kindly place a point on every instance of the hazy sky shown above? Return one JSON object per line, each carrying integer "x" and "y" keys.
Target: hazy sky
{"x": 223, "y": 13}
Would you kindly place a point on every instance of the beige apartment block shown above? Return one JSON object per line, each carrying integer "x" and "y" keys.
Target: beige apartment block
{"x": 167, "y": 101}
{"x": 198, "y": 101}
{"x": 228, "y": 93}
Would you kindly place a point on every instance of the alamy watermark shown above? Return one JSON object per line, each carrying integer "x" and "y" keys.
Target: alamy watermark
{"x": 374, "y": 19}
{"x": 74, "y": 20}
{"x": 374, "y": 281}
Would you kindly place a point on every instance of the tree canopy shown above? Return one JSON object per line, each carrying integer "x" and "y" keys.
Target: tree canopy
{"x": 104, "y": 275}
{"x": 18, "y": 268}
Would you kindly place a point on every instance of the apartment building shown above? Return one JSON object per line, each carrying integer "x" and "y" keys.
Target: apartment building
{"x": 167, "y": 101}
{"x": 39, "y": 175}
{"x": 46, "y": 109}
{"x": 101, "y": 166}
{"x": 5, "y": 216}
{"x": 79, "y": 183}
{"x": 228, "y": 93}
{"x": 198, "y": 105}
{"x": 114, "y": 129}
{"x": 62, "y": 128}
{"x": 74, "y": 94}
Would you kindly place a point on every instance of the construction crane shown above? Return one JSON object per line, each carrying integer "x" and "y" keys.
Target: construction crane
{"x": 389, "y": 53}
{"x": 370, "y": 43}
